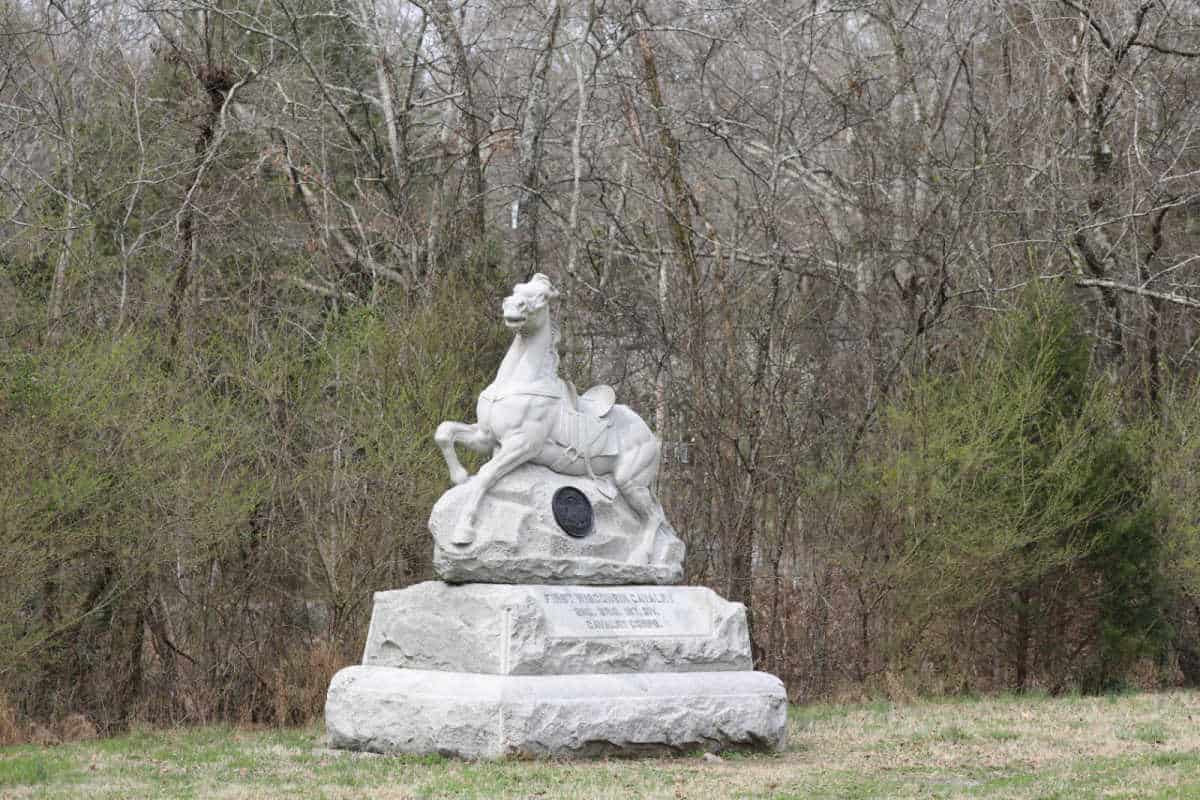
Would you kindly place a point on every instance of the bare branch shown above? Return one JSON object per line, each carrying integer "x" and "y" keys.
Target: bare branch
{"x": 1142, "y": 291}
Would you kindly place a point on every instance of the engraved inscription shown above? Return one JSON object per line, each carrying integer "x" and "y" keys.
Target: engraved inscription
{"x": 578, "y": 613}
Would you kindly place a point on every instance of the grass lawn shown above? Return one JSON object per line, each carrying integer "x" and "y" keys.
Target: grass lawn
{"x": 1144, "y": 745}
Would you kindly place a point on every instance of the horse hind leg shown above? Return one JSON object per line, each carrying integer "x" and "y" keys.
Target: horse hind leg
{"x": 648, "y": 508}
{"x": 634, "y": 475}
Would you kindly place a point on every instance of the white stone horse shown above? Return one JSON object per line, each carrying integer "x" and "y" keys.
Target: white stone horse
{"x": 529, "y": 414}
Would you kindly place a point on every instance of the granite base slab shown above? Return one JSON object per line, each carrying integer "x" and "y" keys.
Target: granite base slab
{"x": 467, "y": 715}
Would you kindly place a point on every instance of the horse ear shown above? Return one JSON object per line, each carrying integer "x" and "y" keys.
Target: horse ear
{"x": 547, "y": 287}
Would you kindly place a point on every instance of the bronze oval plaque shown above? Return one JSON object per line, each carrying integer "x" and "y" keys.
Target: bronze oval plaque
{"x": 572, "y": 512}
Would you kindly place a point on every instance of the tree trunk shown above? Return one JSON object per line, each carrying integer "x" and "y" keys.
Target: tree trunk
{"x": 533, "y": 129}
{"x": 443, "y": 20}
{"x": 216, "y": 83}
{"x": 1021, "y": 639}
{"x": 1153, "y": 314}
{"x": 58, "y": 287}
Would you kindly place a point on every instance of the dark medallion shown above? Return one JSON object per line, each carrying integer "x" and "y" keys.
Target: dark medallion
{"x": 572, "y": 512}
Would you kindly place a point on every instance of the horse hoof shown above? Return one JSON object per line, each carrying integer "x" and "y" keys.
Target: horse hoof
{"x": 459, "y": 476}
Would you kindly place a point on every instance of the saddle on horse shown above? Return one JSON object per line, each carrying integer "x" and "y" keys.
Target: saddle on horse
{"x": 582, "y": 429}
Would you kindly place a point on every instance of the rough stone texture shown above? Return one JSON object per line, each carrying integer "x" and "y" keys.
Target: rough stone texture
{"x": 389, "y": 710}
{"x": 520, "y": 542}
{"x": 546, "y": 630}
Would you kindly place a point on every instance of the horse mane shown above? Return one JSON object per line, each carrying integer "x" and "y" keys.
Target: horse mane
{"x": 552, "y": 351}
{"x": 547, "y": 292}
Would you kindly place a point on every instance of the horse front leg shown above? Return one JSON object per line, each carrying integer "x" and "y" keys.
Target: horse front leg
{"x": 515, "y": 450}
{"x": 448, "y": 434}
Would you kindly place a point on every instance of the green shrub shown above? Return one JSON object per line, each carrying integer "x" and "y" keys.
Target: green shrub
{"x": 180, "y": 544}
{"x": 1025, "y": 508}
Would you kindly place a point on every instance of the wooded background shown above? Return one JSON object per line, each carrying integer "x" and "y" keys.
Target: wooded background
{"x": 910, "y": 289}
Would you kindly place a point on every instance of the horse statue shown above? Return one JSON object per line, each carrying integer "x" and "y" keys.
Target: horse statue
{"x": 528, "y": 414}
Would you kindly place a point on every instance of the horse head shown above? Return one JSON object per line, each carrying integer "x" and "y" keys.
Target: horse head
{"x": 527, "y": 309}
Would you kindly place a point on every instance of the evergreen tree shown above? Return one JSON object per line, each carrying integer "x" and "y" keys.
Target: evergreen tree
{"x": 1027, "y": 504}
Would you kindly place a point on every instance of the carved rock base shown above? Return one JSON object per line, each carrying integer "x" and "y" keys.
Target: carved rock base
{"x": 516, "y": 539}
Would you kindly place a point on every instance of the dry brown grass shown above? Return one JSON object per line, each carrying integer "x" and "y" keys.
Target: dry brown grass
{"x": 299, "y": 685}
{"x": 10, "y": 729}
{"x": 76, "y": 728}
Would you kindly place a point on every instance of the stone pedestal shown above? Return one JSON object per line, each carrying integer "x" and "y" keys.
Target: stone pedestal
{"x": 556, "y": 630}
{"x": 489, "y": 670}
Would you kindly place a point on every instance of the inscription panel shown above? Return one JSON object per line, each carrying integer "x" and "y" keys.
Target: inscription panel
{"x": 624, "y": 612}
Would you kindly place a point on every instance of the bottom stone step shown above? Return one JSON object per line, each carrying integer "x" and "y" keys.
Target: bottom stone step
{"x": 469, "y": 715}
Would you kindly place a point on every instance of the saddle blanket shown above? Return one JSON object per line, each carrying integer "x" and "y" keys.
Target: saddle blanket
{"x": 583, "y": 435}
